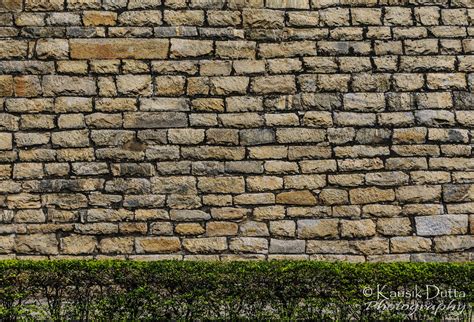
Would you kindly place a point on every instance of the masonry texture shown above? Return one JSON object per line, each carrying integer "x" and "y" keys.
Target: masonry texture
{"x": 258, "y": 129}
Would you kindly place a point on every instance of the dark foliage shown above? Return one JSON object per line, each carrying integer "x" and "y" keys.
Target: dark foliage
{"x": 124, "y": 290}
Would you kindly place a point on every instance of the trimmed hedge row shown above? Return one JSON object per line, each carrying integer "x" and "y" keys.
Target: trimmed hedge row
{"x": 112, "y": 290}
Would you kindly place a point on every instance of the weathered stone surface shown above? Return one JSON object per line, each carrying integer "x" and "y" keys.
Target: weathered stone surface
{"x": 161, "y": 228}
{"x": 190, "y": 48}
{"x": 9, "y": 122}
{"x": 441, "y": 225}
{"x": 128, "y": 185}
{"x": 274, "y": 84}
{"x": 298, "y": 135}
{"x": 6, "y": 141}
{"x": 11, "y": 5}
{"x": 453, "y": 243}
{"x": 357, "y": 228}
{"x": 263, "y": 18}
{"x": 270, "y": 212}
{"x": 371, "y": 195}
{"x": 175, "y": 184}
{"x": 303, "y": 197}
{"x": 66, "y": 201}
{"x": 140, "y": 18}
{"x": 418, "y": 193}
{"x": 456, "y": 193}
{"x": 286, "y": 49}
{"x": 6, "y": 85}
{"x": 46, "y": 244}
{"x": 283, "y": 228}
{"x": 7, "y": 244}
{"x": 11, "y": 49}
{"x": 374, "y": 246}
{"x": 229, "y": 85}
{"x": 96, "y": 228}
{"x": 131, "y": 85}
{"x": 264, "y": 183}
{"x": 394, "y": 178}
{"x": 52, "y": 49}
{"x": 229, "y": 213}
{"x": 99, "y": 18}
{"x": 221, "y": 228}
{"x": 394, "y": 226}
{"x": 119, "y": 48}
{"x": 30, "y": 216}
{"x": 189, "y": 215}
{"x": 180, "y": 18}
{"x": 235, "y": 49}
{"x": 64, "y": 85}
{"x": 329, "y": 247}
{"x": 282, "y": 246}
{"x": 28, "y": 171}
{"x": 222, "y": 184}
{"x": 249, "y": 245}
{"x": 410, "y": 244}
{"x": 205, "y": 245}
{"x": 78, "y": 244}
{"x": 317, "y": 228}
{"x": 110, "y": 215}
{"x": 116, "y": 245}
{"x": 152, "y": 120}
{"x": 157, "y": 244}
{"x": 77, "y": 138}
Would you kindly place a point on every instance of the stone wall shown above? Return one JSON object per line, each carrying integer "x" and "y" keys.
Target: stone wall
{"x": 205, "y": 129}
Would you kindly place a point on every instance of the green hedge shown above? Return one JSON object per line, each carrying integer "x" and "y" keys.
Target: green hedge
{"x": 118, "y": 290}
